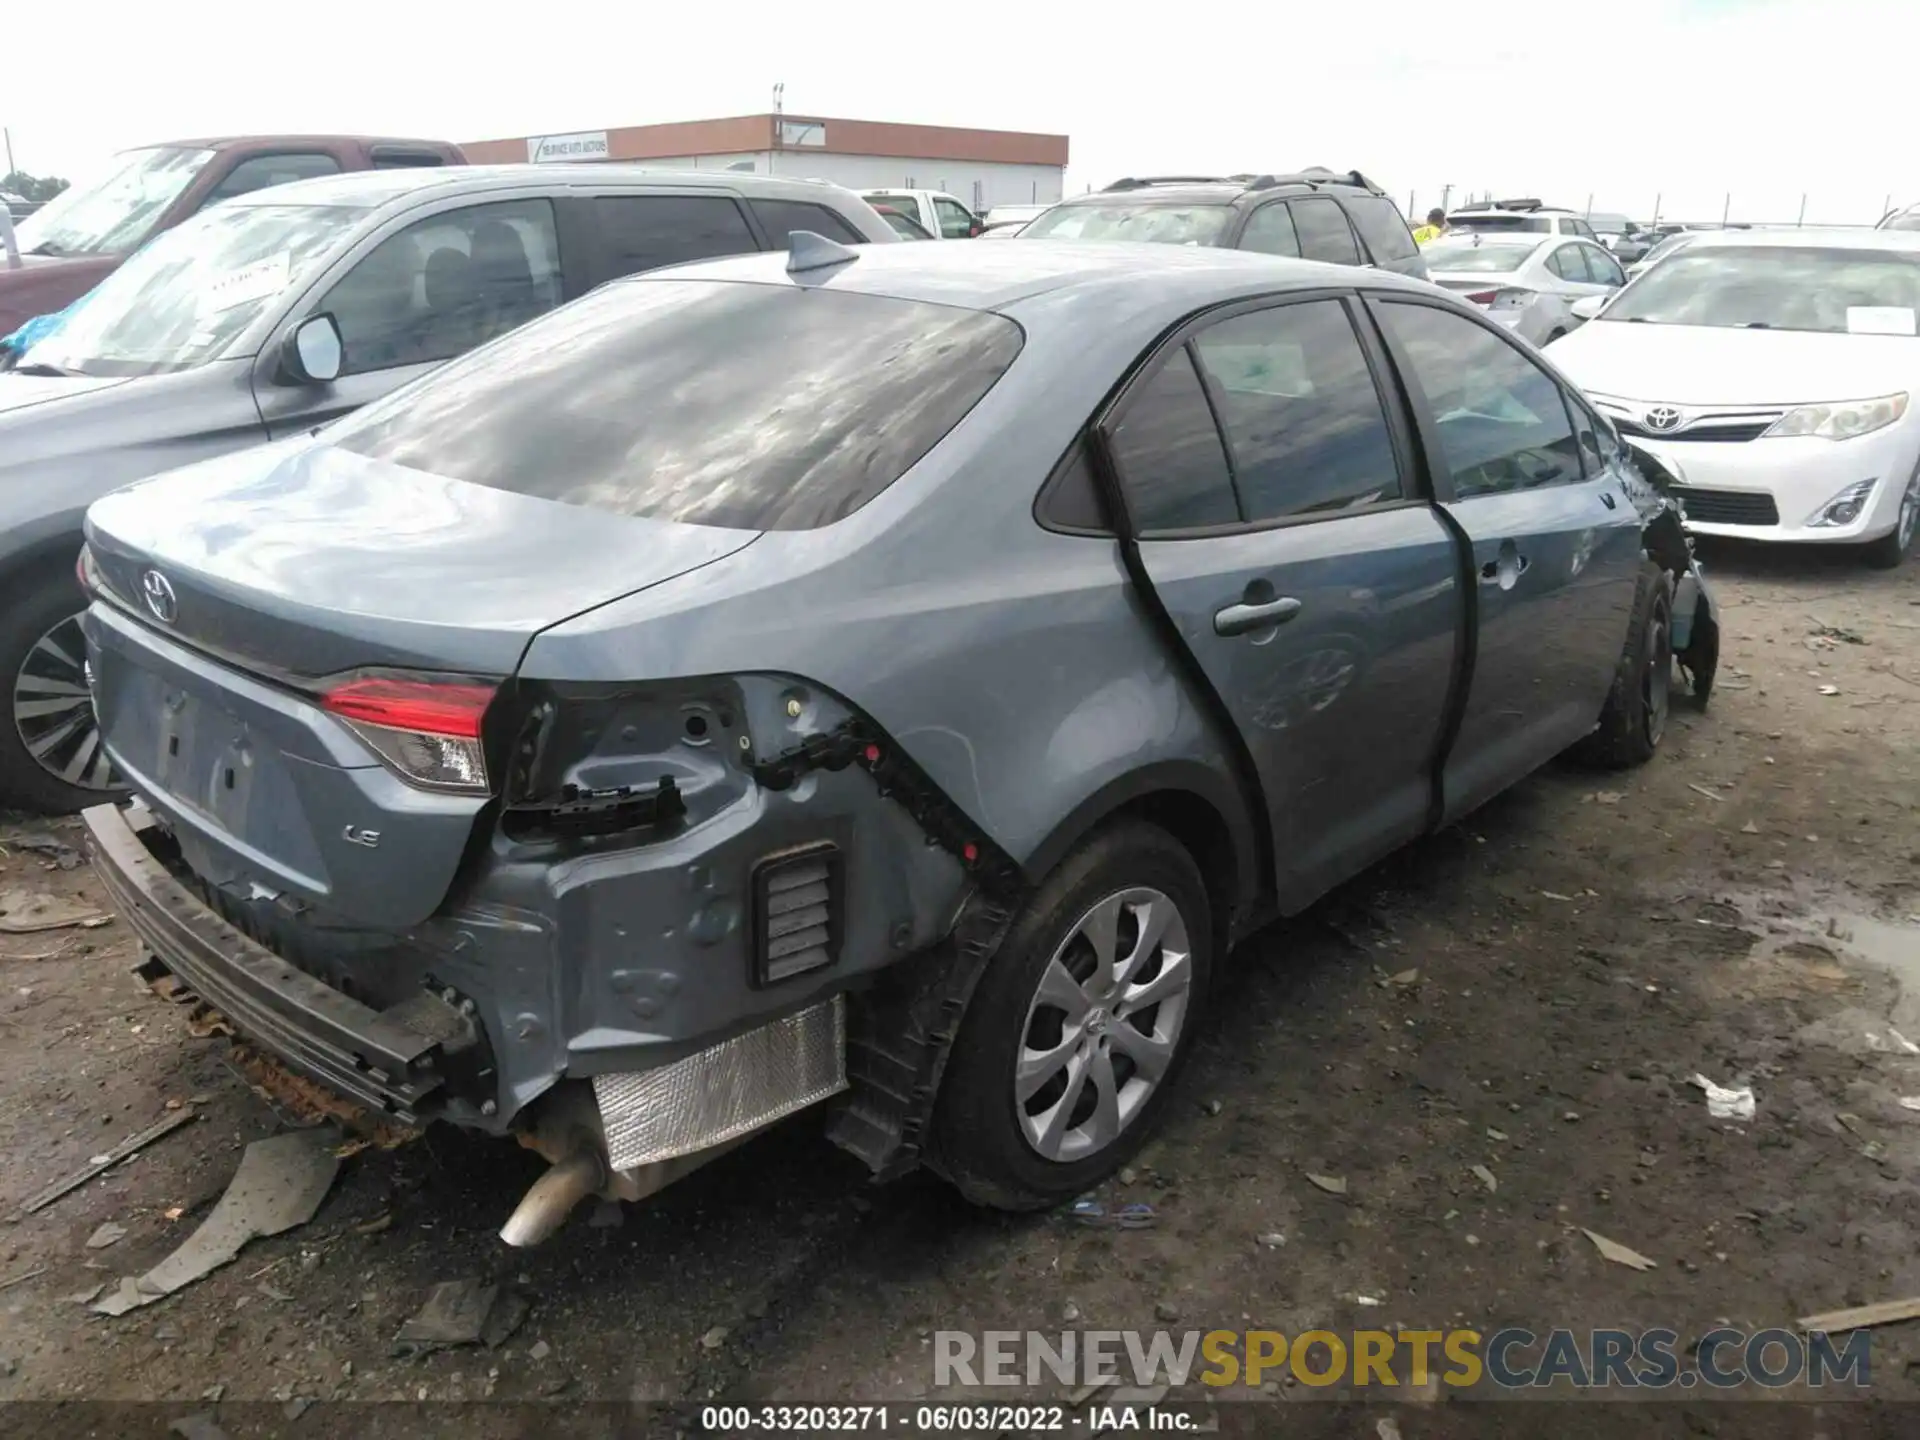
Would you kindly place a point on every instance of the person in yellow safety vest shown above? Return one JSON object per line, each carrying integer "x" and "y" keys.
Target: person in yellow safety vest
{"x": 1435, "y": 227}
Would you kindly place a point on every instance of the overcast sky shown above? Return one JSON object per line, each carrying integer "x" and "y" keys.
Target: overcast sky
{"x": 1622, "y": 100}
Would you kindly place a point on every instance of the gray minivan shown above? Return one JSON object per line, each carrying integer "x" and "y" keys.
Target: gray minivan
{"x": 193, "y": 349}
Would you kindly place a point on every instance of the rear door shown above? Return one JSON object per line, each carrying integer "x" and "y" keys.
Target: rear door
{"x": 1282, "y": 528}
{"x": 420, "y": 292}
{"x": 1555, "y": 540}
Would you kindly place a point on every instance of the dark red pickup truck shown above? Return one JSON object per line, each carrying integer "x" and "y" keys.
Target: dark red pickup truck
{"x": 73, "y": 241}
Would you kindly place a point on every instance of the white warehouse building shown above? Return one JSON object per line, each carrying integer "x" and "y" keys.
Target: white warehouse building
{"x": 981, "y": 168}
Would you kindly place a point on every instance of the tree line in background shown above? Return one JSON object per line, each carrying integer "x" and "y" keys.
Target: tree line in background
{"x": 32, "y": 187}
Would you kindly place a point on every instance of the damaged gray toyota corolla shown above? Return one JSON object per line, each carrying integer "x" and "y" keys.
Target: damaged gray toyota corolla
{"x": 890, "y": 677}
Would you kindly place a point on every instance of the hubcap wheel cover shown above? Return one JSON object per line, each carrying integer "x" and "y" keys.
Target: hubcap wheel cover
{"x": 1104, "y": 1024}
{"x": 1656, "y": 686}
{"x": 1910, "y": 510}
{"x": 53, "y": 710}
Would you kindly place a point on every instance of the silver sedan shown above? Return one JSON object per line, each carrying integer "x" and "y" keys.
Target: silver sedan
{"x": 1526, "y": 282}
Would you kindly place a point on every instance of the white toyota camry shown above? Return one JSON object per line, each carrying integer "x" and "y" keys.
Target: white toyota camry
{"x": 1776, "y": 376}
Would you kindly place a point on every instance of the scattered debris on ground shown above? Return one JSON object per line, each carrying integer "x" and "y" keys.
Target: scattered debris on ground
{"x": 100, "y": 1164}
{"x": 279, "y": 1185}
{"x": 1620, "y": 1254}
{"x": 462, "y": 1312}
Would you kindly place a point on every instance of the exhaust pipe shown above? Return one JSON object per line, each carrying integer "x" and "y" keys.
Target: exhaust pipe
{"x": 553, "y": 1196}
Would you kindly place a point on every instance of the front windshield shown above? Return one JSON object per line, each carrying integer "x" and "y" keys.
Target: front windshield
{"x": 177, "y": 302}
{"x": 1778, "y": 287}
{"x": 1158, "y": 224}
{"x": 1465, "y": 256}
{"x": 1666, "y": 247}
{"x": 113, "y": 212}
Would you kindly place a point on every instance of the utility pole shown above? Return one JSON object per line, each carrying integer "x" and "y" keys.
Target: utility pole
{"x": 1589, "y": 210}
{"x": 1803, "y": 213}
{"x": 779, "y": 123}
{"x": 8, "y": 134}
{"x": 1656, "y": 208}
{"x": 1726, "y": 209}
{"x": 1446, "y": 197}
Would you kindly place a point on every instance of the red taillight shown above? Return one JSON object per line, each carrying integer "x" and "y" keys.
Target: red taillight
{"x": 1482, "y": 297}
{"x": 427, "y": 731}
{"x": 425, "y": 707}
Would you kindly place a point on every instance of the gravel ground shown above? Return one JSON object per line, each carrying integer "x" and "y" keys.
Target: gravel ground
{"x": 1529, "y": 992}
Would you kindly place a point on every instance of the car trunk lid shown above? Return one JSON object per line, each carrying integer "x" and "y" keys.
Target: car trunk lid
{"x": 240, "y": 594}
{"x": 308, "y": 560}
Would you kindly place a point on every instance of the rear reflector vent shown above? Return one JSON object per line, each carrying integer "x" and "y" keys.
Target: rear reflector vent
{"x": 796, "y": 912}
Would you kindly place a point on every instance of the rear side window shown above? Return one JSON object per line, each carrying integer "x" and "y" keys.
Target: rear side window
{"x": 780, "y": 218}
{"x": 1502, "y": 420}
{"x": 1168, "y": 452}
{"x": 1270, "y": 232}
{"x": 1301, "y": 412}
{"x": 1324, "y": 232}
{"x": 1381, "y": 227}
{"x": 1568, "y": 264}
{"x": 264, "y": 170}
{"x": 757, "y": 407}
{"x": 644, "y": 232}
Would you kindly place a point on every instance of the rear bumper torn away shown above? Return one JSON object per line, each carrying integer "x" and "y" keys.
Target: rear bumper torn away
{"x": 389, "y": 1061}
{"x": 631, "y": 1133}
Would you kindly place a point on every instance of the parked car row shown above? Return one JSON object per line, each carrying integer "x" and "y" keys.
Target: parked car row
{"x": 603, "y": 737}
{"x": 76, "y": 239}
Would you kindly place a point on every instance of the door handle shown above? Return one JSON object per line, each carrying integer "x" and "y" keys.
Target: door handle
{"x": 1239, "y": 619}
{"x": 1606, "y": 499}
{"x": 1490, "y": 573}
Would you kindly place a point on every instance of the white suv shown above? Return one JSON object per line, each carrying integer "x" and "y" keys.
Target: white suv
{"x": 1522, "y": 215}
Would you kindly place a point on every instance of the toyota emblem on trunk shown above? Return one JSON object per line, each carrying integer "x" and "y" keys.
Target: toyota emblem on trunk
{"x": 1663, "y": 417}
{"x": 159, "y": 593}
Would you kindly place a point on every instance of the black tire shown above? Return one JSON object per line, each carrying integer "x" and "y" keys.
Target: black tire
{"x": 1890, "y": 549}
{"x": 33, "y": 604}
{"x": 979, "y": 1143}
{"x": 1888, "y": 552}
{"x": 1634, "y": 718}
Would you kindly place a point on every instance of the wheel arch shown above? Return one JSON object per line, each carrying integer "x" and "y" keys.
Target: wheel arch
{"x": 1201, "y": 810}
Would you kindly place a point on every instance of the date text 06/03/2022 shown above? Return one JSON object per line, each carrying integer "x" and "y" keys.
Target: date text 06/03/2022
{"x": 933, "y": 1418}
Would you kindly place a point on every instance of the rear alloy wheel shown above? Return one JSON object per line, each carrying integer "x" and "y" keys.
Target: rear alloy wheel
{"x": 1890, "y": 549}
{"x": 1079, "y": 1024}
{"x": 1634, "y": 719}
{"x": 1102, "y": 1029}
{"x": 51, "y": 756}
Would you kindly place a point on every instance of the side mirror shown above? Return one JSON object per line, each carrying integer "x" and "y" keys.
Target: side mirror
{"x": 1588, "y": 306}
{"x": 313, "y": 354}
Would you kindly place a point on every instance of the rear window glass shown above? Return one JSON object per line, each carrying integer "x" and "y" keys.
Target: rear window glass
{"x": 1533, "y": 224}
{"x": 758, "y": 407}
{"x": 1381, "y": 227}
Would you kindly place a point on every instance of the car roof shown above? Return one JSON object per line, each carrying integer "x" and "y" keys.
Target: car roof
{"x": 992, "y": 277}
{"x": 227, "y": 142}
{"x": 376, "y": 187}
{"x": 1835, "y": 238}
